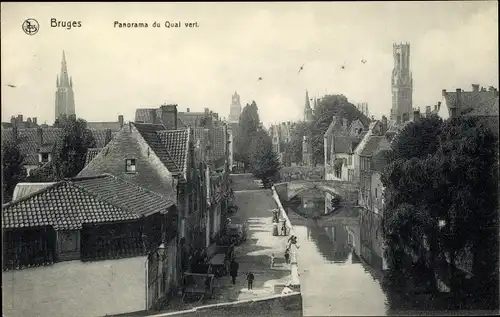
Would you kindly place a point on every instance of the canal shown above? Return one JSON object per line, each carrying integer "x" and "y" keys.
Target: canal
{"x": 341, "y": 266}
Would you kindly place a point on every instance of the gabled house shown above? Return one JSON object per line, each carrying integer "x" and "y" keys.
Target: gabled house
{"x": 100, "y": 238}
{"x": 162, "y": 159}
{"x": 37, "y": 144}
{"x": 341, "y": 160}
{"x": 479, "y": 103}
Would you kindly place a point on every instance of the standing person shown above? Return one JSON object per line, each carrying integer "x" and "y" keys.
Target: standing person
{"x": 250, "y": 278}
{"x": 283, "y": 228}
{"x": 233, "y": 270}
{"x": 287, "y": 255}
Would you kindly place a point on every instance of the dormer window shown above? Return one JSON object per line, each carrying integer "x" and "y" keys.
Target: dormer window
{"x": 43, "y": 158}
{"x": 130, "y": 166}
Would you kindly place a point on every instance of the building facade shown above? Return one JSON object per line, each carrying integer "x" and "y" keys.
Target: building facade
{"x": 401, "y": 84}
{"x": 65, "y": 99}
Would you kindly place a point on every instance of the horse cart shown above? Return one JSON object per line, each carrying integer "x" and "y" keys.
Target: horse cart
{"x": 197, "y": 286}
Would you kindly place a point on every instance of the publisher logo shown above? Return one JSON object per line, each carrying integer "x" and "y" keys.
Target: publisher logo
{"x": 30, "y": 26}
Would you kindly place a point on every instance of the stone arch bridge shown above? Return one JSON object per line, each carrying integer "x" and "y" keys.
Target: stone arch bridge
{"x": 347, "y": 191}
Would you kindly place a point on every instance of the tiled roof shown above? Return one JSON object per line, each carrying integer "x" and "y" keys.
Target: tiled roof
{"x": 190, "y": 118}
{"x": 379, "y": 161}
{"x": 91, "y": 153}
{"x": 144, "y": 116}
{"x": 176, "y": 143}
{"x": 472, "y": 103}
{"x": 100, "y": 137}
{"x": 71, "y": 203}
{"x": 344, "y": 144}
{"x": 28, "y": 141}
{"x": 372, "y": 145}
{"x": 113, "y": 126}
{"x": 218, "y": 147}
{"x": 149, "y": 133}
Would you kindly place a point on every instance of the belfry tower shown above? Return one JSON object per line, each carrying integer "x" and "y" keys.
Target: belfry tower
{"x": 402, "y": 84}
{"x": 235, "y": 109}
{"x": 65, "y": 100}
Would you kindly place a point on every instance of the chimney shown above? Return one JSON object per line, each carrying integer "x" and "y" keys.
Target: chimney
{"x": 444, "y": 92}
{"x": 13, "y": 121}
{"x": 428, "y": 109}
{"x": 35, "y": 121}
{"x": 344, "y": 122}
{"x": 120, "y": 121}
{"x": 108, "y": 137}
{"x": 152, "y": 115}
{"x": 169, "y": 116}
{"x": 39, "y": 137}
{"x": 475, "y": 87}
{"x": 384, "y": 124}
{"x": 187, "y": 110}
{"x": 20, "y": 118}
{"x": 398, "y": 119}
{"x": 459, "y": 99}
{"x": 416, "y": 114}
{"x": 14, "y": 130}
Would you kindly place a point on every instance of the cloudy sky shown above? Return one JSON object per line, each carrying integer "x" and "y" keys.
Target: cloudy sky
{"x": 116, "y": 70}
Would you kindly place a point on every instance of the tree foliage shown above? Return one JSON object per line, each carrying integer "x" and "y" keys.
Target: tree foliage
{"x": 13, "y": 170}
{"x": 265, "y": 163}
{"x": 329, "y": 106}
{"x": 444, "y": 171}
{"x": 70, "y": 151}
{"x": 248, "y": 124}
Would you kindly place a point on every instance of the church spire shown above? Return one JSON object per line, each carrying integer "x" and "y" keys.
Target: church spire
{"x": 64, "y": 80}
{"x": 308, "y": 103}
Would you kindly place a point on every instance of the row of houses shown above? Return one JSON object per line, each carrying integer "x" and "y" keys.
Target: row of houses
{"x": 356, "y": 153}
{"x": 118, "y": 237}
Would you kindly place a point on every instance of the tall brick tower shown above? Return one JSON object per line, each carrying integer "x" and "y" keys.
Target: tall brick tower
{"x": 401, "y": 83}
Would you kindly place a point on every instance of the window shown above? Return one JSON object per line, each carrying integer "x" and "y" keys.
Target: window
{"x": 130, "y": 165}
{"x": 376, "y": 192}
{"x": 68, "y": 241}
{"x": 44, "y": 157}
{"x": 350, "y": 159}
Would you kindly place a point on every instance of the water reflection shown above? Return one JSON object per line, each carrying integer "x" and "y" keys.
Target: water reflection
{"x": 341, "y": 264}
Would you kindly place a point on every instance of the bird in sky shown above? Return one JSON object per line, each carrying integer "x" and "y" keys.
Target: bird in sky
{"x": 260, "y": 78}
{"x": 301, "y": 68}
{"x": 343, "y": 66}
{"x": 363, "y": 61}
{"x": 12, "y": 86}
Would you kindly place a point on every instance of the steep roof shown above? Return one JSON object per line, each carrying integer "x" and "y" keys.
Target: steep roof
{"x": 345, "y": 144}
{"x": 473, "y": 103}
{"x": 27, "y": 140}
{"x": 372, "y": 145}
{"x": 70, "y": 203}
{"x": 177, "y": 145}
{"x": 113, "y": 126}
{"x": 153, "y": 139}
{"x": 143, "y": 115}
{"x": 91, "y": 154}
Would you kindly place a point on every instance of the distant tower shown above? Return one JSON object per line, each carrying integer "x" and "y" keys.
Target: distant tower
{"x": 235, "y": 109}
{"x": 65, "y": 100}
{"x": 308, "y": 112}
{"x": 402, "y": 83}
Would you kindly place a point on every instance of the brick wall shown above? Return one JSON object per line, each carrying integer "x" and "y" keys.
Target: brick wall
{"x": 76, "y": 288}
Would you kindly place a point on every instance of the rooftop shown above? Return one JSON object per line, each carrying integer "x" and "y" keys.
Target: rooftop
{"x": 70, "y": 203}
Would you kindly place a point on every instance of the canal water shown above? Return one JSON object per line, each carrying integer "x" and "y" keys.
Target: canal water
{"x": 341, "y": 265}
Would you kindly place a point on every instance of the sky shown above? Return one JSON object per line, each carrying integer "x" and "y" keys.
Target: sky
{"x": 117, "y": 70}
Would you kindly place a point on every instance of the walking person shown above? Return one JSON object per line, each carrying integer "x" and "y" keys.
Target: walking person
{"x": 272, "y": 260}
{"x": 250, "y": 278}
{"x": 233, "y": 270}
{"x": 287, "y": 255}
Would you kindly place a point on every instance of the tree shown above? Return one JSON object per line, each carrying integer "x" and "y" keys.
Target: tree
{"x": 248, "y": 124}
{"x": 329, "y": 106}
{"x": 13, "y": 170}
{"x": 444, "y": 171}
{"x": 265, "y": 163}
{"x": 69, "y": 152}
